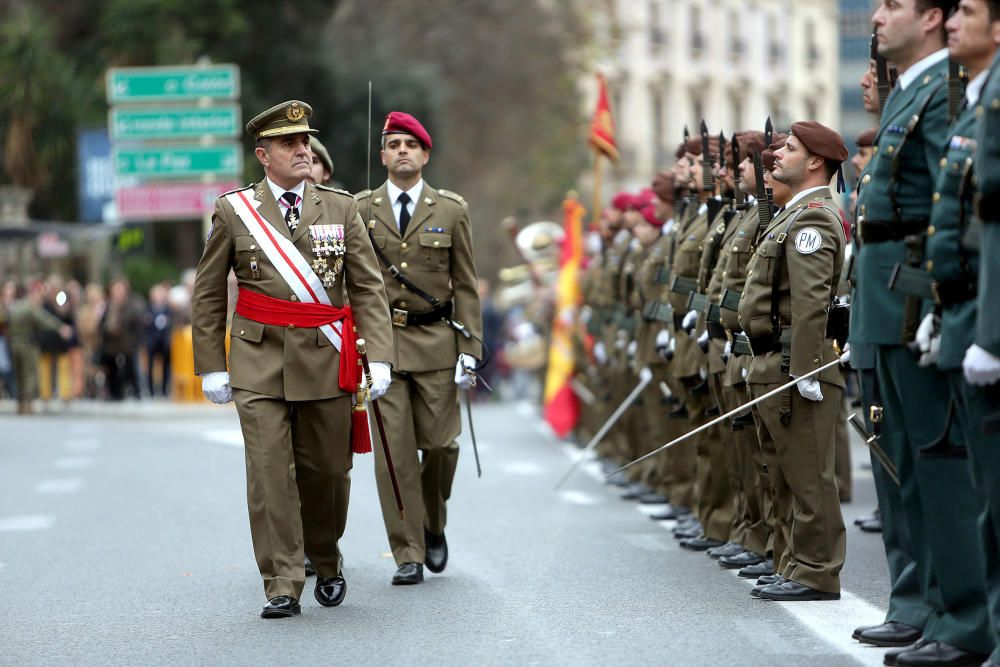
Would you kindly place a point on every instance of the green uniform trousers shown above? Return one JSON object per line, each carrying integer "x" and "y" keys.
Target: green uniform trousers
{"x": 984, "y": 460}
{"x": 421, "y": 416}
{"x": 938, "y": 499}
{"x": 298, "y": 460}
{"x": 809, "y": 537}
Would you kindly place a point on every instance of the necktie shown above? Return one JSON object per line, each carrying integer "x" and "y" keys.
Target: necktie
{"x": 290, "y": 201}
{"x": 404, "y": 213}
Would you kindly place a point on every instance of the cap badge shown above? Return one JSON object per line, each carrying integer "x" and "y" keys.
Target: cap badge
{"x": 295, "y": 113}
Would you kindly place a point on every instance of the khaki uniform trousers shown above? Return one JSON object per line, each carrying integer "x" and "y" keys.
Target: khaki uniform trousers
{"x": 752, "y": 531}
{"x": 679, "y": 462}
{"x": 421, "y": 417}
{"x": 298, "y": 459}
{"x": 809, "y": 537}
{"x": 713, "y": 504}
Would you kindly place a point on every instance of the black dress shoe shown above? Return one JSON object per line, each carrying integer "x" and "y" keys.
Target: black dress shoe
{"x": 874, "y": 516}
{"x": 635, "y": 491}
{"x": 701, "y": 543}
{"x": 766, "y": 581}
{"x": 653, "y": 498}
{"x": 619, "y": 479}
{"x": 672, "y": 512}
{"x": 861, "y": 628}
{"x": 939, "y": 653}
{"x": 727, "y": 549}
{"x": 890, "y": 656}
{"x": 330, "y": 591}
{"x": 791, "y": 591}
{"x": 435, "y": 552}
{"x": 761, "y": 569}
{"x": 874, "y": 526}
{"x": 281, "y": 606}
{"x": 891, "y": 633}
{"x": 688, "y": 532}
{"x": 740, "y": 560}
{"x": 310, "y": 570}
{"x": 408, "y": 574}
{"x": 680, "y": 412}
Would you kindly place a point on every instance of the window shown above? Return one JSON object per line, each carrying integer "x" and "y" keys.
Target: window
{"x": 657, "y": 37}
{"x": 697, "y": 40}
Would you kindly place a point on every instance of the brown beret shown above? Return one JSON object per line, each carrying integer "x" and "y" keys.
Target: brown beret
{"x": 821, "y": 140}
{"x": 750, "y": 141}
{"x": 663, "y": 186}
{"x": 681, "y": 150}
{"x": 693, "y": 146}
{"x": 778, "y": 140}
{"x": 867, "y": 138}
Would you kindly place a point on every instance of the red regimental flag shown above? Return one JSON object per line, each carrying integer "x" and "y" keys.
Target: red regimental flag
{"x": 602, "y": 127}
{"x": 562, "y": 407}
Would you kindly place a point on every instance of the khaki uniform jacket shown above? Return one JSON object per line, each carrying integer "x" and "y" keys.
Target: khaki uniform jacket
{"x": 733, "y": 261}
{"x": 647, "y": 291}
{"x": 814, "y": 257}
{"x": 688, "y": 357}
{"x": 297, "y": 364}
{"x": 437, "y": 256}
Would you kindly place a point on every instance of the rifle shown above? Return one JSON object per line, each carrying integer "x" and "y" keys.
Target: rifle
{"x": 707, "y": 176}
{"x": 739, "y": 196}
{"x": 883, "y": 79}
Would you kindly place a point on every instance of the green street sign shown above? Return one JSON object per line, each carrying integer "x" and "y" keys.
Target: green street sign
{"x": 172, "y": 84}
{"x": 136, "y": 124}
{"x": 178, "y": 161}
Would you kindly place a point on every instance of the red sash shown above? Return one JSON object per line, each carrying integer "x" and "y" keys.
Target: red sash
{"x": 280, "y": 313}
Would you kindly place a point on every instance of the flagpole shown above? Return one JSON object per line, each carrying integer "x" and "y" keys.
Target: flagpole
{"x": 597, "y": 186}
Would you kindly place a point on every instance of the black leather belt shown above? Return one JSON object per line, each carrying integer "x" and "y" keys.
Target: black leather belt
{"x": 682, "y": 285}
{"x": 730, "y": 299}
{"x": 406, "y": 318}
{"x": 715, "y": 331}
{"x": 878, "y": 231}
{"x": 764, "y": 344}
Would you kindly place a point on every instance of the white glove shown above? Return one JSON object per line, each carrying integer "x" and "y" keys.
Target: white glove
{"x": 465, "y": 371}
{"x": 980, "y": 367}
{"x": 929, "y": 339}
{"x": 703, "y": 338}
{"x": 727, "y": 351}
{"x": 600, "y": 353}
{"x": 744, "y": 374}
{"x": 645, "y": 374}
{"x": 809, "y": 388}
{"x": 632, "y": 347}
{"x": 663, "y": 338}
{"x": 689, "y": 320}
{"x": 845, "y": 356}
{"x": 216, "y": 387}
{"x": 381, "y": 378}
{"x": 585, "y": 314}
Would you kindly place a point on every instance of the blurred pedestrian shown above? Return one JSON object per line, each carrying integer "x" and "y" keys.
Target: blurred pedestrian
{"x": 88, "y": 322}
{"x": 493, "y": 322}
{"x": 120, "y": 330}
{"x": 158, "y": 324}
{"x": 27, "y": 320}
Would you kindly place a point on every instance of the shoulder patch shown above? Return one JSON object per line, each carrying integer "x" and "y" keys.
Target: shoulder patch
{"x": 808, "y": 241}
{"x": 452, "y": 195}
{"x": 327, "y": 188}
{"x": 815, "y": 204}
{"x": 245, "y": 187}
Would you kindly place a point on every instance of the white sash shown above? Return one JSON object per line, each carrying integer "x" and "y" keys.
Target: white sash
{"x": 286, "y": 258}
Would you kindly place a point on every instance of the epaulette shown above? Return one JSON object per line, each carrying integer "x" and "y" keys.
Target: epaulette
{"x": 245, "y": 187}
{"x": 363, "y": 194}
{"x": 327, "y": 188}
{"x": 453, "y": 195}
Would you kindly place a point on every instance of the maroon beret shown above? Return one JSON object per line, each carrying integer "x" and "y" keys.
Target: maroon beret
{"x": 867, "y": 138}
{"x": 398, "y": 122}
{"x": 642, "y": 199}
{"x": 750, "y": 141}
{"x": 693, "y": 146}
{"x": 663, "y": 186}
{"x": 622, "y": 201}
{"x": 821, "y": 140}
{"x": 778, "y": 140}
{"x": 649, "y": 215}
{"x": 681, "y": 150}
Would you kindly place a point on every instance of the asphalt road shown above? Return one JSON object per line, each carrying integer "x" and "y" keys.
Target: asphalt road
{"x": 124, "y": 540}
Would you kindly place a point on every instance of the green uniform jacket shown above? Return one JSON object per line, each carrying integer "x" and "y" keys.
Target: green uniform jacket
{"x": 436, "y": 254}
{"x": 297, "y": 364}
{"x": 648, "y": 290}
{"x": 877, "y": 312}
{"x": 813, "y": 259}
{"x": 946, "y": 258}
{"x": 987, "y": 169}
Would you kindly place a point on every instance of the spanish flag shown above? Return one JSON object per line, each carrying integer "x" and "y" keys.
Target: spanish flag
{"x": 562, "y": 407}
{"x": 602, "y": 126}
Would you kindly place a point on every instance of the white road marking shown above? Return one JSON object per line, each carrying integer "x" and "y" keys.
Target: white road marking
{"x": 522, "y": 468}
{"x": 19, "y": 524}
{"x": 579, "y": 498}
{"x": 230, "y": 437}
{"x": 74, "y": 462}
{"x": 526, "y": 409}
{"x": 59, "y": 486}
{"x": 82, "y": 445}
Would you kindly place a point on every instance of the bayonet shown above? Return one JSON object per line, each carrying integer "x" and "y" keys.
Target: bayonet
{"x": 872, "y": 441}
{"x": 883, "y": 81}
{"x": 738, "y": 194}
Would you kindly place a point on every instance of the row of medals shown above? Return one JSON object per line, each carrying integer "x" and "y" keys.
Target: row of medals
{"x": 328, "y": 252}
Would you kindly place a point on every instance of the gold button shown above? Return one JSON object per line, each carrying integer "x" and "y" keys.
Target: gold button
{"x": 371, "y": 224}
{"x": 815, "y": 360}
{"x": 931, "y": 230}
{"x": 253, "y": 247}
{"x": 749, "y": 273}
{"x": 936, "y": 197}
{"x": 954, "y": 166}
{"x": 403, "y": 265}
{"x": 930, "y": 265}
{"x": 995, "y": 104}
{"x": 943, "y": 163}
{"x": 403, "y": 245}
{"x": 734, "y": 249}
{"x": 927, "y": 79}
{"x": 242, "y": 331}
{"x": 875, "y": 149}
{"x": 403, "y": 286}
{"x": 979, "y": 110}
{"x": 293, "y": 298}
{"x": 890, "y": 149}
{"x": 437, "y": 243}
{"x": 291, "y": 326}
{"x": 867, "y": 178}
{"x": 402, "y": 304}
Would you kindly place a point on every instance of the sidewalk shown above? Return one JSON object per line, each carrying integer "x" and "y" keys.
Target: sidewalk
{"x": 129, "y": 409}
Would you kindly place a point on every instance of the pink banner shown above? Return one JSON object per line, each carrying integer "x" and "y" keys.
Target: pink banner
{"x": 169, "y": 201}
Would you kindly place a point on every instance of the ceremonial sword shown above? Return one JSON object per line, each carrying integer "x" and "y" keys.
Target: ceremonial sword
{"x": 360, "y": 343}
{"x": 731, "y": 413}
